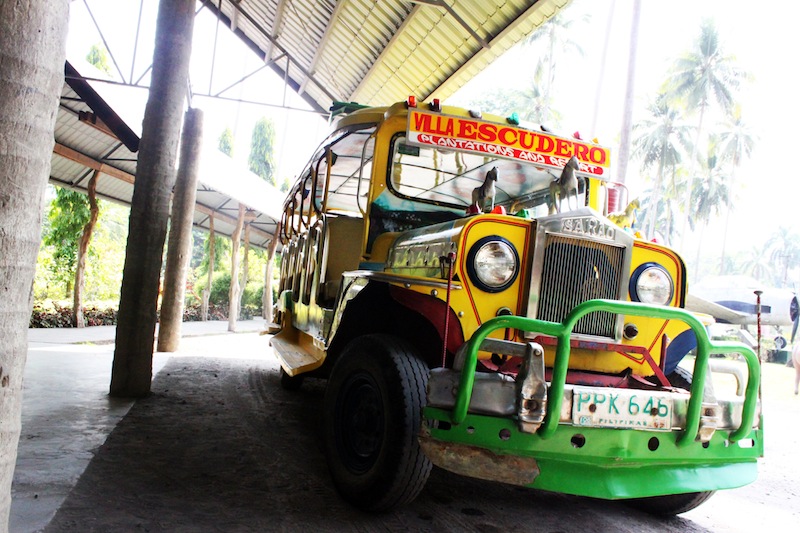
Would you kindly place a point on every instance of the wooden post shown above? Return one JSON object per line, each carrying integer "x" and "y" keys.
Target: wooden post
{"x": 268, "y": 302}
{"x": 83, "y": 251}
{"x": 32, "y": 51}
{"x": 245, "y": 262}
{"x": 234, "y": 293}
{"x": 180, "y": 233}
{"x": 207, "y": 291}
{"x": 132, "y": 369}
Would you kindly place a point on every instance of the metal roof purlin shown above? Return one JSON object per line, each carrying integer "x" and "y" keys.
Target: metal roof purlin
{"x": 264, "y": 33}
{"x": 321, "y": 46}
{"x": 442, "y": 4}
{"x": 365, "y": 79}
{"x": 480, "y": 55}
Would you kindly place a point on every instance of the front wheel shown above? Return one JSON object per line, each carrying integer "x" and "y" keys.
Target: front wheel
{"x": 671, "y": 504}
{"x": 373, "y": 409}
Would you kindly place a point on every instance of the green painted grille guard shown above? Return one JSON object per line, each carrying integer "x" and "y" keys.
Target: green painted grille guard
{"x": 563, "y": 331}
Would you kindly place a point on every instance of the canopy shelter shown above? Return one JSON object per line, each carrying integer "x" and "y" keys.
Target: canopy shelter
{"x": 91, "y": 136}
{"x": 377, "y": 53}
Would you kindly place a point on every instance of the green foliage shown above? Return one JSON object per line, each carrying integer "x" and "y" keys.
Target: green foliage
{"x": 220, "y": 287}
{"x": 98, "y": 56}
{"x": 222, "y": 254}
{"x": 225, "y": 142}
{"x": 261, "y": 159}
{"x": 69, "y": 213}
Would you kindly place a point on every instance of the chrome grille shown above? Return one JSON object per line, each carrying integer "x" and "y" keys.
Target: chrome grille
{"x": 576, "y": 270}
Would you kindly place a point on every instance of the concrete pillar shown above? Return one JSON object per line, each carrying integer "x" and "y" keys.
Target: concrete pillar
{"x": 180, "y": 233}
{"x": 132, "y": 369}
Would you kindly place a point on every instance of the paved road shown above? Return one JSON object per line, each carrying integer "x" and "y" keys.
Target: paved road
{"x": 219, "y": 446}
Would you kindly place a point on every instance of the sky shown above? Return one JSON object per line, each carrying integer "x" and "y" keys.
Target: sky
{"x": 762, "y": 41}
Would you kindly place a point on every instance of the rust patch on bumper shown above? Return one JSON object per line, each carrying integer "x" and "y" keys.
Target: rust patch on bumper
{"x": 480, "y": 463}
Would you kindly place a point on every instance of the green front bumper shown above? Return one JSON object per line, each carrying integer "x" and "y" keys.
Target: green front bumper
{"x": 596, "y": 462}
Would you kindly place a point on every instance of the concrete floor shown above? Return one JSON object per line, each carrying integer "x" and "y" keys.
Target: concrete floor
{"x": 67, "y": 413}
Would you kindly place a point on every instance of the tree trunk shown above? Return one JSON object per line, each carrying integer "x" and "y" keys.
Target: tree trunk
{"x": 627, "y": 114}
{"x": 245, "y": 262}
{"x": 83, "y": 251}
{"x": 207, "y": 290}
{"x": 180, "y": 233}
{"x": 267, "y": 300}
{"x": 235, "y": 292}
{"x": 155, "y": 175}
{"x": 32, "y": 51}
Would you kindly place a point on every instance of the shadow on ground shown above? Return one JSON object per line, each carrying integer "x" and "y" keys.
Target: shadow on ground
{"x": 219, "y": 446}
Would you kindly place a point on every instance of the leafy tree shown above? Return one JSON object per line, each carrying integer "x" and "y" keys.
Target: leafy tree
{"x": 785, "y": 251}
{"x": 262, "y": 145}
{"x": 531, "y": 103}
{"x": 225, "y": 142}
{"x": 702, "y": 76}
{"x": 736, "y": 142}
{"x": 557, "y": 35}
{"x": 757, "y": 264}
{"x": 660, "y": 139}
{"x": 98, "y": 56}
{"x": 69, "y": 213}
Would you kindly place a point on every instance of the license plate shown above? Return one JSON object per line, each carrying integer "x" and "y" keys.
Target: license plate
{"x": 621, "y": 408}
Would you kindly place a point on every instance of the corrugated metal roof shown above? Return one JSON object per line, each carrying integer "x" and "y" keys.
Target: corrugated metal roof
{"x": 378, "y": 52}
{"x": 82, "y": 147}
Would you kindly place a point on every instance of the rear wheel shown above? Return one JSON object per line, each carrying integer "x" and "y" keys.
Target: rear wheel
{"x": 670, "y": 504}
{"x": 373, "y": 409}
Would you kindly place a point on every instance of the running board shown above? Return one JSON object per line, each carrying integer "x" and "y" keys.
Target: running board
{"x": 295, "y": 358}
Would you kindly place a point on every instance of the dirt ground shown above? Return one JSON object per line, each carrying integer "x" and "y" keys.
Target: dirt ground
{"x": 219, "y": 446}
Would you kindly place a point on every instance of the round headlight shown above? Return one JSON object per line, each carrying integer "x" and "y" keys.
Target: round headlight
{"x": 651, "y": 284}
{"x": 493, "y": 264}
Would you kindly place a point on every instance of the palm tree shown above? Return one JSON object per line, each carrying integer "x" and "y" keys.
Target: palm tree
{"x": 712, "y": 192}
{"x": 757, "y": 264}
{"x": 785, "y": 251}
{"x": 703, "y": 75}
{"x": 660, "y": 139}
{"x": 736, "y": 142}
{"x": 530, "y": 103}
{"x": 558, "y": 36}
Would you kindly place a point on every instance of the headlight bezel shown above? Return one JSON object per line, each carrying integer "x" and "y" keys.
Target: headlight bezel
{"x": 637, "y": 275}
{"x": 473, "y": 269}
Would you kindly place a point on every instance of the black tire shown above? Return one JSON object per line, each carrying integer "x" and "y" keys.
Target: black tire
{"x": 373, "y": 410}
{"x": 671, "y": 504}
{"x": 290, "y": 383}
{"x": 683, "y": 378}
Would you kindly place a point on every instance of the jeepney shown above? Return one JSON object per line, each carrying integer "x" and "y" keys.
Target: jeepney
{"x": 467, "y": 316}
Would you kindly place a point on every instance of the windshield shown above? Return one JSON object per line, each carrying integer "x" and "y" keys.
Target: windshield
{"x": 446, "y": 178}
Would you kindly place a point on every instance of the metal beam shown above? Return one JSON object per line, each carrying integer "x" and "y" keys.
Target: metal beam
{"x": 481, "y": 53}
{"x": 90, "y": 162}
{"x": 379, "y": 60}
{"x": 312, "y": 68}
{"x": 442, "y": 4}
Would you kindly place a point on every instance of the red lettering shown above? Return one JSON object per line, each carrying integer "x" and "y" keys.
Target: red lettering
{"x": 526, "y": 139}
{"x": 581, "y": 151}
{"x": 466, "y": 129}
{"x": 597, "y": 155}
{"x": 563, "y": 148}
{"x": 545, "y": 144}
{"x": 507, "y": 135}
{"x": 422, "y": 122}
{"x": 449, "y": 129}
{"x": 487, "y": 132}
